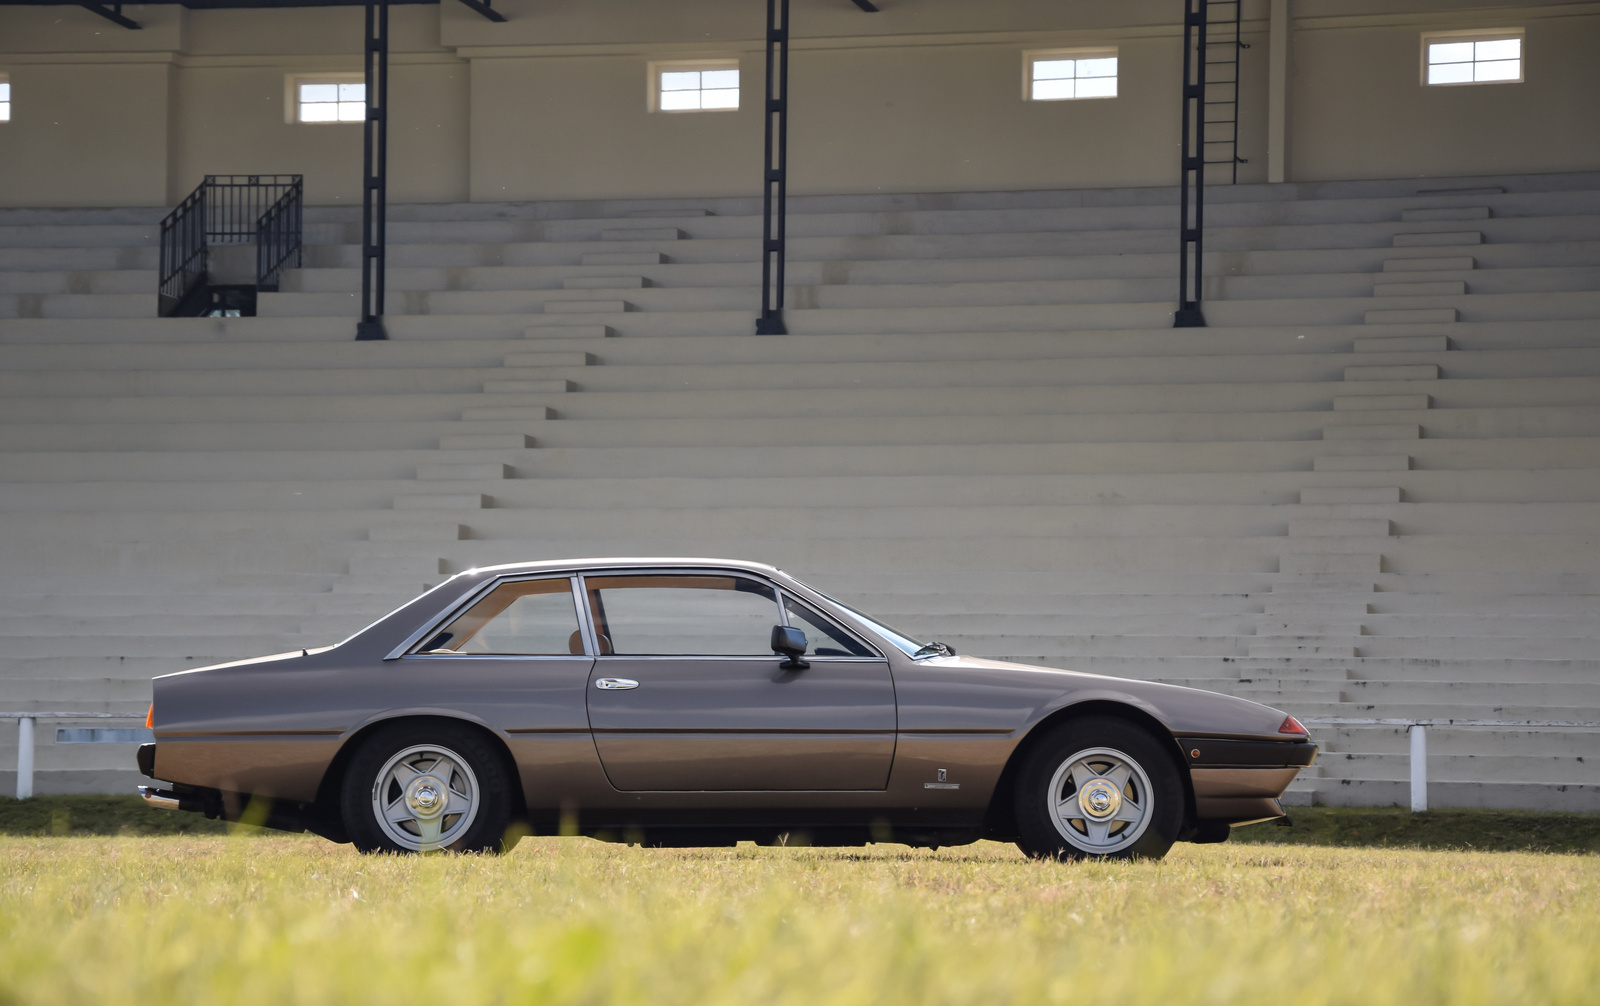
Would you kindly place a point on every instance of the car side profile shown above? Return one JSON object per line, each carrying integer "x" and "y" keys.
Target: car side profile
{"x": 680, "y": 702}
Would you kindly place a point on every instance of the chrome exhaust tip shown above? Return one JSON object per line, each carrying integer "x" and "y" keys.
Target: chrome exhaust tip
{"x": 155, "y": 798}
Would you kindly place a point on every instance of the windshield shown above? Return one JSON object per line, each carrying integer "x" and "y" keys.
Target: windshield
{"x": 902, "y": 642}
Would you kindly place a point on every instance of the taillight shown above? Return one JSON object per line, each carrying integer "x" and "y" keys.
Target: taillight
{"x": 150, "y": 718}
{"x": 1293, "y": 726}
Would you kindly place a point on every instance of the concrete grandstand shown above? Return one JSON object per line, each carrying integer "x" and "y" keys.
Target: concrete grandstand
{"x": 1368, "y": 492}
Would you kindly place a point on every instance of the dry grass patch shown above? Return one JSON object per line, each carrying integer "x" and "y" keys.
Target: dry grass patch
{"x": 297, "y": 920}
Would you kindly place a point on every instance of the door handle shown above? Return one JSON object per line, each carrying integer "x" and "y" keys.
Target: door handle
{"x": 615, "y": 684}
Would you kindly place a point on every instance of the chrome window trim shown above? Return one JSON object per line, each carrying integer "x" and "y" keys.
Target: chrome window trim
{"x": 847, "y": 630}
{"x": 731, "y": 656}
{"x": 460, "y": 607}
{"x": 496, "y": 656}
{"x": 586, "y": 617}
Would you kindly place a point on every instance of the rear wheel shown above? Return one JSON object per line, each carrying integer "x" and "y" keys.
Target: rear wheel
{"x": 1098, "y": 788}
{"x": 425, "y": 787}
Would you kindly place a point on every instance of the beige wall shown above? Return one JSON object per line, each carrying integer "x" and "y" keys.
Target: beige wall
{"x": 923, "y": 97}
{"x": 86, "y": 134}
{"x": 234, "y": 122}
{"x": 1361, "y": 111}
{"x": 918, "y": 118}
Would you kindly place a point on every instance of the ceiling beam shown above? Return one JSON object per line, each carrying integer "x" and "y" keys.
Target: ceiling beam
{"x": 114, "y": 15}
{"x": 482, "y": 7}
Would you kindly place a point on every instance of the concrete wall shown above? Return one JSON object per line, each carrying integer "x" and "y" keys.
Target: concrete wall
{"x": 923, "y": 97}
{"x": 1361, "y": 111}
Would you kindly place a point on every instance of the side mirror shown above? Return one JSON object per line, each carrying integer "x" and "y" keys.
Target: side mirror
{"x": 790, "y": 642}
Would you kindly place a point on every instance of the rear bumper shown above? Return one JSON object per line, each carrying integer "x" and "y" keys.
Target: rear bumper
{"x": 1238, "y": 782}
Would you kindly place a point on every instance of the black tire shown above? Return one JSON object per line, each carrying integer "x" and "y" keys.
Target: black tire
{"x": 1153, "y": 791}
{"x": 468, "y": 757}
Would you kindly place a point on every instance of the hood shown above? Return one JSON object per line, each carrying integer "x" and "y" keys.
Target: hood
{"x": 1185, "y": 711}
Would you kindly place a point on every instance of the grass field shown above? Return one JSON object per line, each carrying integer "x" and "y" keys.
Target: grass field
{"x": 292, "y": 920}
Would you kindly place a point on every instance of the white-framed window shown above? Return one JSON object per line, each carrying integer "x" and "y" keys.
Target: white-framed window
{"x": 1069, "y": 74}
{"x": 695, "y": 86}
{"x": 328, "y": 98}
{"x": 5, "y": 98}
{"x": 1477, "y": 57}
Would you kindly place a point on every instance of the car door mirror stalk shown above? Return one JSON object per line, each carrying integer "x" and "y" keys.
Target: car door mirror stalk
{"x": 790, "y": 642}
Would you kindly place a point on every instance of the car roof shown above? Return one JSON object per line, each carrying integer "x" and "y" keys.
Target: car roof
{"x": 624, "y": 562}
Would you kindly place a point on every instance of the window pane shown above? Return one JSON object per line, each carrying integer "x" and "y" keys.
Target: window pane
{"x": 1450, "y": 73}
{"x": 1051, "y": 90}
{"x": 680, "y": 80}
{"x": 1097, "y": 67}
{"x": 719, "y": 99}
{"x": 319, "y": 112}
{"x": 719, "y": 79}
{"x": 319, "y": 92}
{"x": 1505, "y": 69}
{"x": 352, "y": 111}
{"x": 823, "y": 637}
{"x": 1053, "y": 69}
{"x": 527, "y": 618}
{"x": 1449, "y": 52}
{"x": 352, "y": 92}
{"x": 678, "y": 101}
{"x": 5, "y": 111}
{"x": 1097, "y": 87}
{"x": 683, "y": 615}
{"x": 5, "y": 91}
{"x": 1500, "y": 48}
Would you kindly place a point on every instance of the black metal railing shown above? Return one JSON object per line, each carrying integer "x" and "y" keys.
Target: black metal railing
{"x": 278, "y": 238}
{"x": 264, "y": 210}
{"x": 183, "y": 252}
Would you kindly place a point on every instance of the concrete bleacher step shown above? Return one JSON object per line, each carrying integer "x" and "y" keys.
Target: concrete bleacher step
{"x": 984, "y": 428}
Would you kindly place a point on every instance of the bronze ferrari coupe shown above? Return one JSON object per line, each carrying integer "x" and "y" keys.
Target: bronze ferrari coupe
{"x": 676, "y": 702}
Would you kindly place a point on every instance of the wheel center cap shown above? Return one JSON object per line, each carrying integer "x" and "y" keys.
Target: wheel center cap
{"x": 1099, "y": 799}
{"x": 427, "y": 796}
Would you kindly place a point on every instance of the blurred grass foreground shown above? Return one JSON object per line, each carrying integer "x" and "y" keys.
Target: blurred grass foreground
{"x": 295, "y": 920}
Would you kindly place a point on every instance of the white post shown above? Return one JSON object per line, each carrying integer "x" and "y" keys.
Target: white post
{"x": 24, "y": 757}
{"x": 1419, "y": 768}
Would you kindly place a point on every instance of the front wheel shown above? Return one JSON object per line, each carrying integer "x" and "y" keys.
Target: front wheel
{"x": 417, "y": 787}
{"x": 1098, "y": 788}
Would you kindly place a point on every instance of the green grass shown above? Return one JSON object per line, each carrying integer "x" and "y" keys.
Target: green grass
{"x": 287, "y": 920}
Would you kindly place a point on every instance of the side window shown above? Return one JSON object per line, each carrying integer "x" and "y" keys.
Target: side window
{"x": 823, "y": 637}
{"x": 523, "y": 618}
{"x": 682, "y": 615}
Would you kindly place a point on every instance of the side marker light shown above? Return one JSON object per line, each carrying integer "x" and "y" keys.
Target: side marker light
{"x": 150, "y": 718}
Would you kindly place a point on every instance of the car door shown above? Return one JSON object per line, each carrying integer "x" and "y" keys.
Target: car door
{"x": 515, "y": 659}
{"x": 686, "y": 693}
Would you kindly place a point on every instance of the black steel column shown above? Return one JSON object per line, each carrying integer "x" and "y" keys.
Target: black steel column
{"x": 375, "y": 172}
{"x": 775, "y": 170}
{"x": 1192, "y": 179}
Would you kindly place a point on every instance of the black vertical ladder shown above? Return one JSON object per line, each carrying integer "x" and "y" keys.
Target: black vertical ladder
{"x": 375, "y": 172}
{"x": 1210, "y": 100}
{"x": 1221, "y": 81}
{"x": 1192, "y": 175}
{"x": 775, "y": 170}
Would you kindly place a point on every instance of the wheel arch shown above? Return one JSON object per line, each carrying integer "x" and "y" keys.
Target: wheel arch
{"x": 333, "y": 778}
{"x": 999, "y": 819}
